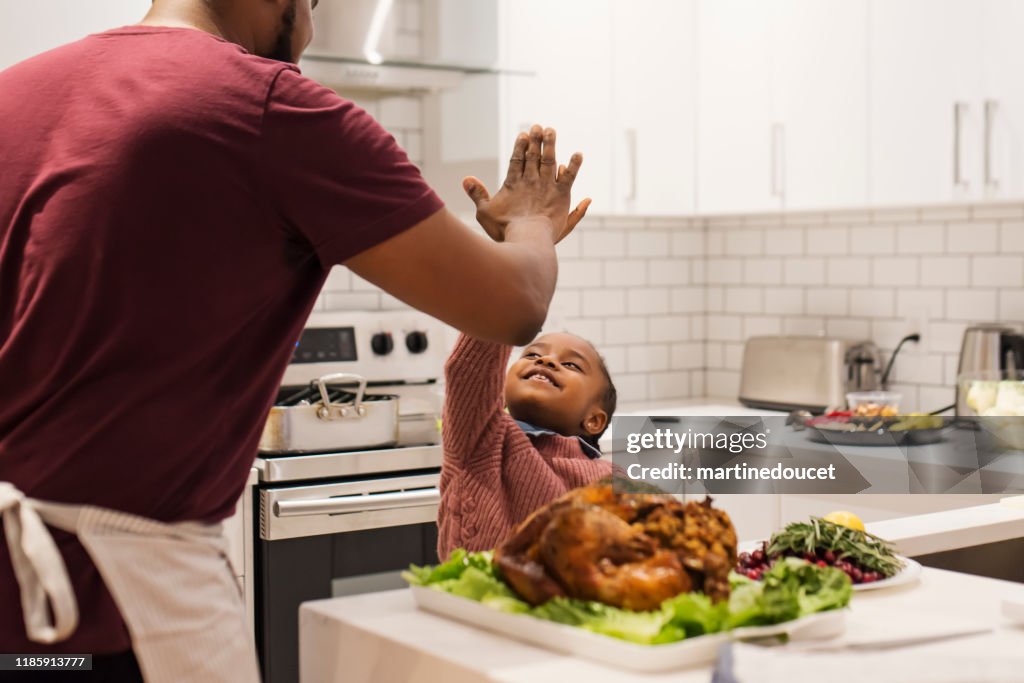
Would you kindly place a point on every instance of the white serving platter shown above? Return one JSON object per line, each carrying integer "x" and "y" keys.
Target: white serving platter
{"x": 618, "y": 653}
{"x": 911, "y": 572}
{"x": 1013, "y": 609}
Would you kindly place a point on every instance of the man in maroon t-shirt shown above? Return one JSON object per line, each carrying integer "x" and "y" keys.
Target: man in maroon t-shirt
{"x": 173, "y": 196}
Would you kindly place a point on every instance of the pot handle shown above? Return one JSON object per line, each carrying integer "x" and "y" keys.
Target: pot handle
{"x": 328, "y": 410}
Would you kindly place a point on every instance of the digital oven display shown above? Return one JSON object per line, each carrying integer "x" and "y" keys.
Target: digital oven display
{"x": 326, "y": 345}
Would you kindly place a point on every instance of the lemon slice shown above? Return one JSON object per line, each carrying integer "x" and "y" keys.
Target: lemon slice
{"x": 844, "y": 518}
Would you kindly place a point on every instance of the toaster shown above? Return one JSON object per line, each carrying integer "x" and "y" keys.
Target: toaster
{"x": 806, "y": 373}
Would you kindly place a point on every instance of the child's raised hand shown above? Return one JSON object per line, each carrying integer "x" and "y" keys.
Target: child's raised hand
{"x": 534, "y": 186}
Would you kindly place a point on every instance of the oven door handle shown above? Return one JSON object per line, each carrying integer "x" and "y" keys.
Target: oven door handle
{"x": 372, "y": 502}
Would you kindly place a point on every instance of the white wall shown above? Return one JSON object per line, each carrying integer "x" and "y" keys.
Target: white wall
{"x": 28, "y": 27}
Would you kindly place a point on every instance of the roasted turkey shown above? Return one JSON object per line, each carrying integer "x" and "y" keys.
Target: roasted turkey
{"x": 623, "y": 549}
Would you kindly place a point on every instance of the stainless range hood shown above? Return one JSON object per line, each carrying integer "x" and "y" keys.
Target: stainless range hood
{"x": 385, "y": 45}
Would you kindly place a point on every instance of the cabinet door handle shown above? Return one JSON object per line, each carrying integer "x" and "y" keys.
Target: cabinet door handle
{"x": 631, "y": 152}
{"x": 991, "y": 108}
{"x": 959, "y": 109}
{"x": 778, "y": 160}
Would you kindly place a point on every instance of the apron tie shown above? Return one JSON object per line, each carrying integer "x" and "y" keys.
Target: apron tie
{"x": 39, "y": 568}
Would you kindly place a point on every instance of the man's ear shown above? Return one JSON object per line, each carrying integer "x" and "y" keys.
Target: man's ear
{"x": 595, "y": 421}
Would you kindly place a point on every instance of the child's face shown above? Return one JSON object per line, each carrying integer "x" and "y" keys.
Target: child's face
{"x": 557, "y": 383}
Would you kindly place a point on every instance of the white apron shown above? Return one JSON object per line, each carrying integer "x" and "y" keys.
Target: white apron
{"x": 172, "y": 583}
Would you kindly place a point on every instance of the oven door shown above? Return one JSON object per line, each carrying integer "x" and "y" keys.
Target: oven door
{"x": 325, "y": 540}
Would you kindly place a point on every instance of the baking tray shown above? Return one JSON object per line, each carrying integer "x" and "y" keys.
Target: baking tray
{"x": 621, "y": 654}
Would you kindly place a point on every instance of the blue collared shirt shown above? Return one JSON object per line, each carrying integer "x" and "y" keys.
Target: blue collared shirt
{"x": 589, "y": 449}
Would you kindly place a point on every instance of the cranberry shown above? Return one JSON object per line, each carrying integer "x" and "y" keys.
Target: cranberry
{"x": 830, "y": 556}
{"x": 822, "y": 563}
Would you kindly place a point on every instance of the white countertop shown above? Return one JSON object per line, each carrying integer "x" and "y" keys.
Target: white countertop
{"x": 383, "y": 637}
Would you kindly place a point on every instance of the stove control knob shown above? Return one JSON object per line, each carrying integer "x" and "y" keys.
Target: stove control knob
{"x": 382, "y": 344}
{"x": 416, "y": 342}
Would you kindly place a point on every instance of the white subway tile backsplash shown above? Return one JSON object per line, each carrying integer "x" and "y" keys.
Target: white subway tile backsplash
{"x": 582, "y": 274}
{"x": 803, "y": 271}
{"x": 724, "y": 327}
{"x": 714, "y": 243}
{"x": 614, "y": 359}
{"x": 727, "y": 271}
{"x": 668, "y": 328}
{"x": 687, "y": 356}
{"x": 687, "y": 299}
{"x": 989, "y": 211}
{"x": 827, "y": 240}
{"x": 714, "y": 298}
{"x": 829, "y": 302}
{"x": 744, "y": 242}
{"x": 997, "y": 271}
{"x": 723, "y": 383}
{"x": 668, "y": 272}
{"x": 874, "y": 239}
{"x": 625, "y": 330}
{"x": 665, "y": 385}
{"x": 888, "y": 333}
{"x": 688, "y": 243}
{"x": 1011, "y": 305}
{"x": 848, "y": 328}
{"x": 803, "y": 326}
{"x": 603, "y": 302}
{"x": 784, "y": 241}
{"x": 951, "y": 365}
{"x": 567, "y": 303}
{"x": 872, "y": 303}
{"x": 631, "y": 387}
{"x": 972, "y": 305}
{"x": 362, "y": 301}
{"x": 1011, "y": 237}
{"x": 972, "y": 238}
{"x": 915, "y": 302}
{"x": 648, "y": 301}
{"x": 647, "y": 243}
{"x": 931, "y": 398}
{"x": 714, "y": 354}
{"x": 604, "y": 244}
{"x": 743, "y": 300}
{"x": 591, "y": 329}
{"x": 944, "y": 213}
{"x": 918, "y": 369}
{"x": 762, "y": 271}
{"x": 945, "y": 271}
{"x": 733, "y": 356}
{"x": 761, "y": 326}
{"x": 338, "y": 280}
{"x": 944, "y": 337}
{"x": 848, "y": 271}
{"x": 896, "y": 271}
{"x": 927, "y": 238}
{"x": 785, "y": 301}
{"x": 625, "y": 273}
{"x": 647, "y": 358}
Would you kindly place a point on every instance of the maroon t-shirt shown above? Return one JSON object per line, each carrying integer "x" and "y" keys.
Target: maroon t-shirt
{"x": 169, "y": 208}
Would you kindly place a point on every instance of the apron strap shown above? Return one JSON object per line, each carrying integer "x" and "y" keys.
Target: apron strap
{"x": 39, "y": 568}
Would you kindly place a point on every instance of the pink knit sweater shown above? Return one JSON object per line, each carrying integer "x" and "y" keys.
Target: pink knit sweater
{"x": 493, "y": 474}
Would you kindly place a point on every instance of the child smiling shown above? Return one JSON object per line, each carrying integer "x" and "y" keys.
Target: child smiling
{"x": 500, "y": 466}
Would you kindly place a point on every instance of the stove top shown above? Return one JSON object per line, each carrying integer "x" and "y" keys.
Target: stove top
{"x": 276, "y": 468}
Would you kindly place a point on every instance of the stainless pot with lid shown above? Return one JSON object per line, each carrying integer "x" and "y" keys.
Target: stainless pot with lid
{"x": 326, "y": 417}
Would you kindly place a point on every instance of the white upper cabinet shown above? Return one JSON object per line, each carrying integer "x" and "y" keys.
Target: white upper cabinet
{"x": 820, "y": 98}
{"x": 618, "y": 81}
{"x": 567, "y": 47}
{"x": 782, "y": 113}
{"x": 653, "y": 106}
{"x": 925, "y": 111}
{"x": 1002, "y": 103}
{"x": 738, "y": 141}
